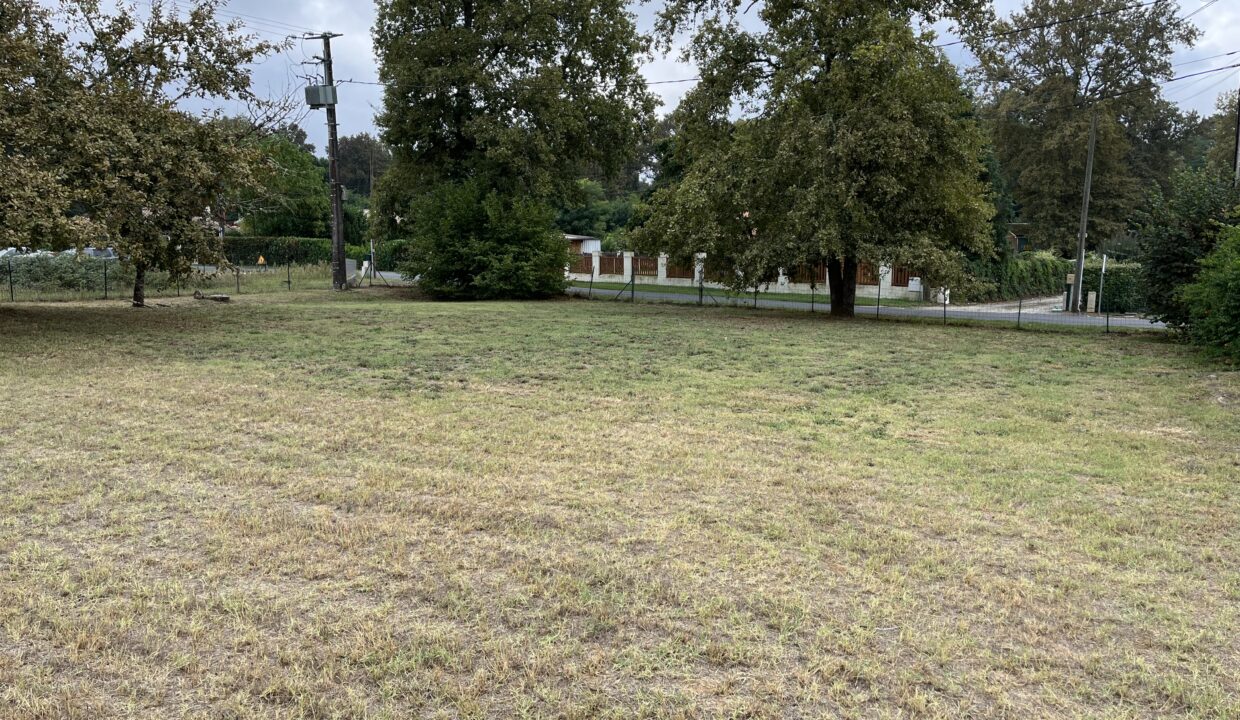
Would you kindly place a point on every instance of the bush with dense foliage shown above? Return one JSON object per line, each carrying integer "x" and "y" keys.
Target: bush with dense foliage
{"x": 473, "y": 243}
{"x": 1123, "y": 290}
{"x": 1213, "y": 301}
{"x": 1177, "y": 233}
{"x": 1030, "y": 274}
{"x": 392, "y": 253}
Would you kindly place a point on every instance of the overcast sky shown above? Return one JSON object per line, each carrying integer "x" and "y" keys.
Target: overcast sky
{"x": 354, "y": 56}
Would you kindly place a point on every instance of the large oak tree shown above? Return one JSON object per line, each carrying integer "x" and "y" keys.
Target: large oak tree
{"x": 855, "y": 144}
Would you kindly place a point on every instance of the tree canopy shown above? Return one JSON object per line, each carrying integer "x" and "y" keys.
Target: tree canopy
{"x": 94, "y": 131}
{"x": 856, "y": 144}
{"x": 506, "y": 103}
{"x": 1041, "y": 87}
{"x": 362, "y": 159}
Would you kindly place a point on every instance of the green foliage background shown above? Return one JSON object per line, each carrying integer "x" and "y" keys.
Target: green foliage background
{"x": 1213, "y": 301}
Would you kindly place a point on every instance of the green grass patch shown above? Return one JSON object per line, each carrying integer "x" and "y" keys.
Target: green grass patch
{"x": 362, "y": 505}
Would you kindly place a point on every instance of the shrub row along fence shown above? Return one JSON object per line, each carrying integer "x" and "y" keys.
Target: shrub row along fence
{"x": 48, "y": 277}
{"x": 1041, "y": 274}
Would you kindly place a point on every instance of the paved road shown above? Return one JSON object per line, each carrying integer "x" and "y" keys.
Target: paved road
{"x": 953, "y": 313}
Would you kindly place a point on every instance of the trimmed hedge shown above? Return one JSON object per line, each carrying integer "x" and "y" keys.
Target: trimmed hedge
{"x": 1030, "y": 274}
{"x": 246, "y": 249}
{"x": 64, "y": 272}
{"x": 1124, "y": 288}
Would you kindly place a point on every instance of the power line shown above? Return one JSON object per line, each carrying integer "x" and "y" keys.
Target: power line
{"x": 270, "y": 22}
{"x": 1062, "y": 21}
{"x": 383, "y": 84}
{"x": 1203, "y": 7}
{"x": 1201, "y": 60}
{"x": 1204, "y": 90}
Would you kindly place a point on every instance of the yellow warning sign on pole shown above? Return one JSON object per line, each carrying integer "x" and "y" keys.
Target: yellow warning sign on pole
{"x": 262, "y": 261}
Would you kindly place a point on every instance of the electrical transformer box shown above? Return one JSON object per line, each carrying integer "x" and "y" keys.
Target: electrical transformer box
{"x": 318, "y": 96}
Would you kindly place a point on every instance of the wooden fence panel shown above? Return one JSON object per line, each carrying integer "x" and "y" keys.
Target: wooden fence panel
{"x": 610, "y": 264}
{"x": 807, "y": 274}
{"x": 643, "y": 265}
{"x": 867, "y": 274}
{"x": 582, "y": 263}
{"x": 683, "y": 272}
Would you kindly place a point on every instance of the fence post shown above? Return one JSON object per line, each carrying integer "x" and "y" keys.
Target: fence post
{"x": 878, "y": 306}
{"x": 1020, "y": 306}
{"x": 812, "y": 285}
{"x": 593, "y": 267}
{"x": 12, "y": 297}
{"x": 105, "y": 278}
{"x": 288, "y": 274}
{"x": 632, "y": 276}
{"x": 1108, "y": 321}
{"x": 943, "y": 294}
{"x": 237, "y": 272}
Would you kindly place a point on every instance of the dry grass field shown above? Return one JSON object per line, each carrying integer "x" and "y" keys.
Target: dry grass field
{"x": 363, "y": 506}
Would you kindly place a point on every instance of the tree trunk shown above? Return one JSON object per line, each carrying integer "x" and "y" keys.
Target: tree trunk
{"x": 139, "y": 285}
{"x": 842, "y": 276}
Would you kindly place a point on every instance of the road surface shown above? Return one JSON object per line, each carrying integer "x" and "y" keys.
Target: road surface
{"x": 956, "y": 312}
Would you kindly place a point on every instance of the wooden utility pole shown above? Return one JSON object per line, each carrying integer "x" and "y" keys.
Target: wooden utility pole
{"x": 1078, "y": 281}
{"x": 326, "y": 98}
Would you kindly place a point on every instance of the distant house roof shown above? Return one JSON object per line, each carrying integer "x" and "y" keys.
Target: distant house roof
{"x": 571, "y": 238}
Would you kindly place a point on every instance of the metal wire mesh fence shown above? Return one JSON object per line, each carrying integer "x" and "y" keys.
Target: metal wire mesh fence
{"x": 885, "y": 301}
{"x": 48, "y": 278}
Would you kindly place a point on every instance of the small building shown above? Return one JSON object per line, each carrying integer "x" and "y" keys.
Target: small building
{"x": 582, "y": 244}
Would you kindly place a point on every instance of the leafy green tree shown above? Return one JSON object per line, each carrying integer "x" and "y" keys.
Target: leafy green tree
{"x": 858, "y": 146}
{"x": 362, "y": 160}
{"x": 1213, "y": 300}
{"x": 1221, "y": 155}
{"x": 292, "y": 198}
{"x": 1177, "y": 232}
{"x": 41, "y": 100}
{"x": 516, "y": 98}
{"x": 295, "y": 134}
{"x": 128, "y": 167}
{"x": 1041, "y": 88}
{"x": 590, "y": 212}
{"x": 356, "y": 221}
{"x": 471, "y": 242}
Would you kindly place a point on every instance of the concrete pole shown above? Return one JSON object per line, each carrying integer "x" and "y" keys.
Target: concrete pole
{"x": 1078, "y": 281}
